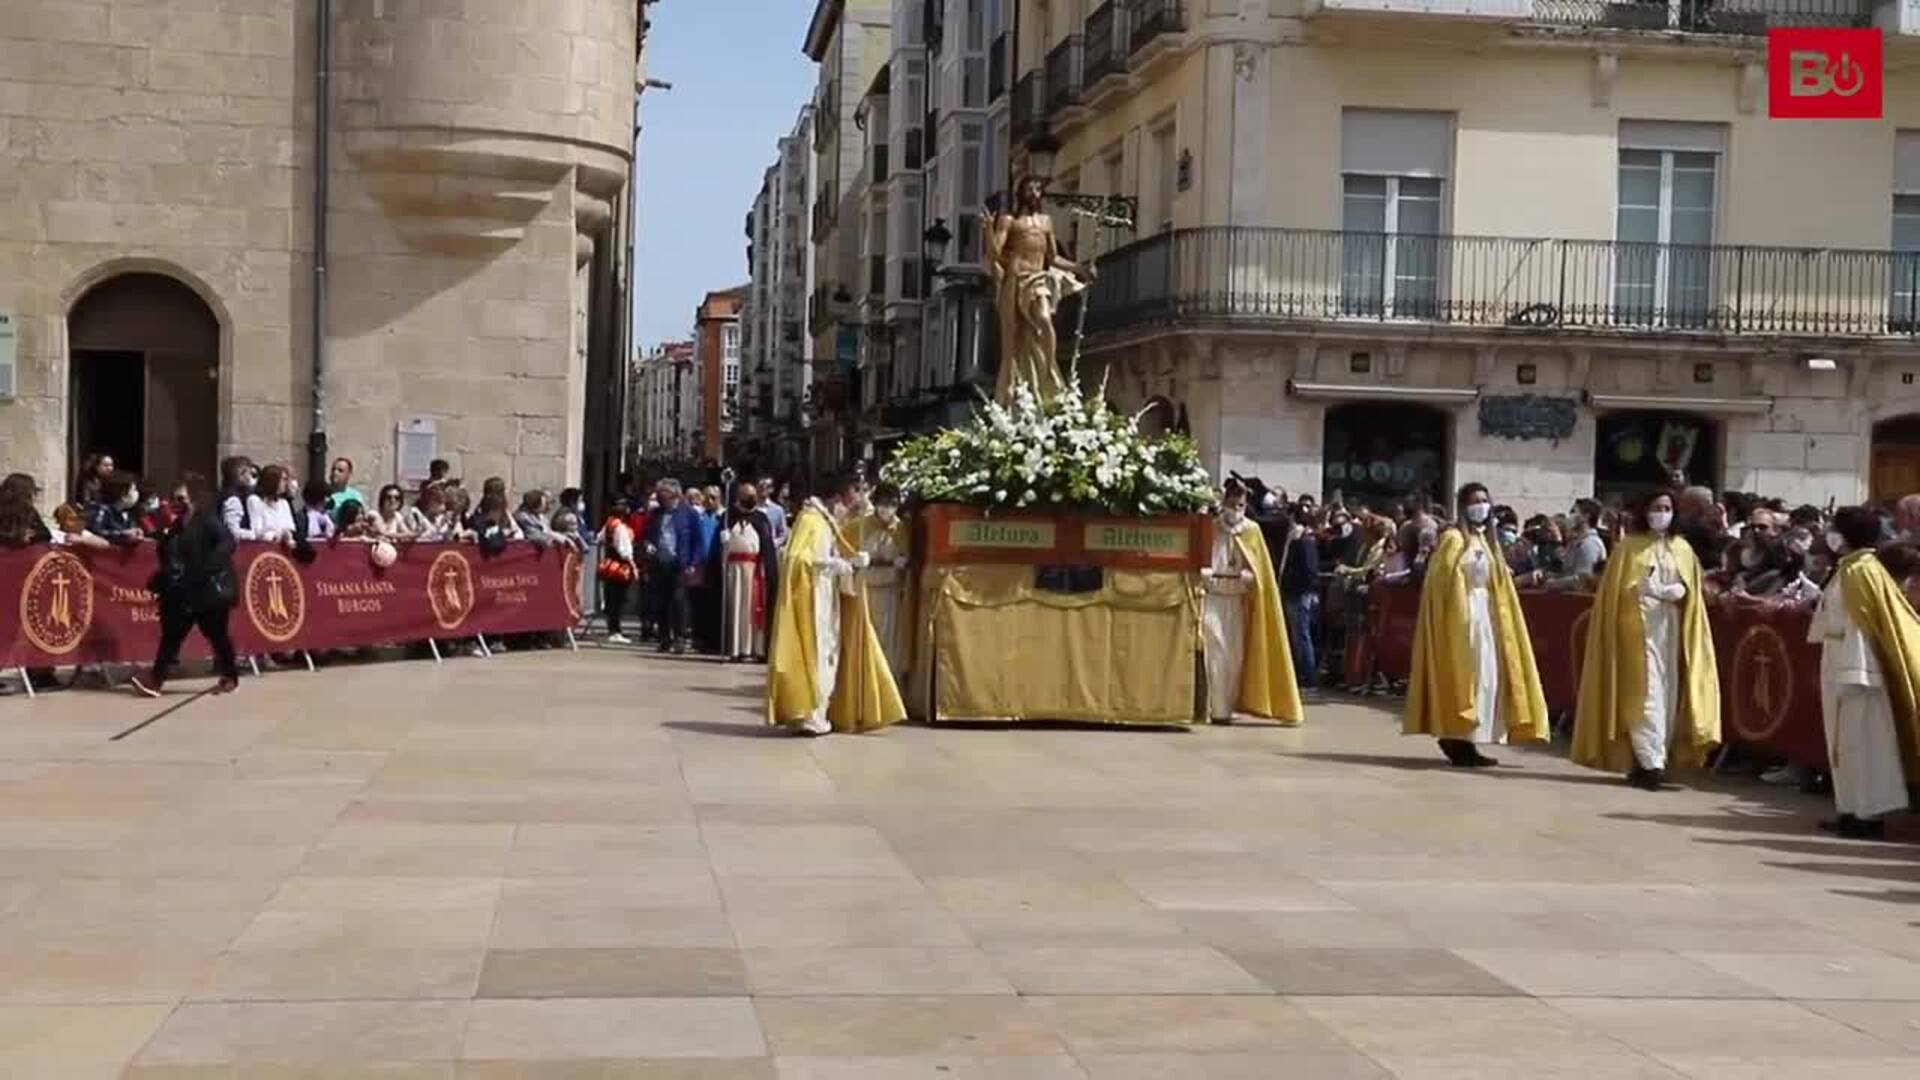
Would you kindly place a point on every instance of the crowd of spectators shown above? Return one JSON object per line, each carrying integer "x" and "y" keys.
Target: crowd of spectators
{"x": 1755, "y": 550}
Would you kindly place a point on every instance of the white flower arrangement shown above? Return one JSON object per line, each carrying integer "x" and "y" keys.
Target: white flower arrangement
{"x": 1070, "y": 453}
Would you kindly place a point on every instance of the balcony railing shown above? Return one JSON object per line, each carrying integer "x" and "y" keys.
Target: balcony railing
{"x": 1732, "y": 17}
{"x": 1106, "y": 52}
{"x": 1153, "y": 18}
{"x": 1063, "y": 74}
{"x": 1228, "y": 274}
{"x": 1024, "y": 115}
{"x": 997, "y": 67}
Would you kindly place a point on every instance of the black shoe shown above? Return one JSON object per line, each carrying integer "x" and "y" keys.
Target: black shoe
{"x": 1850, "y": 827}
{"x": 1480, "y": 760}
{"x": 1649, "y": 779}
{"x": 1460, "y": 753}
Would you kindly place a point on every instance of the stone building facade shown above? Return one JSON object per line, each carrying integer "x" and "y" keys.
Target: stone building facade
{"x": 159, "y": 168}
{"x": 1558, "y": 247}
{"x": 716, "y": 339}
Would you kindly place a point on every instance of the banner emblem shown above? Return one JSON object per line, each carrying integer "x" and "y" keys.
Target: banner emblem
{"x": 1762, "y": 684}
{"x": 450, "y": 589}
{"x": 56, "y": 603}
{"x": 276, "y": 597}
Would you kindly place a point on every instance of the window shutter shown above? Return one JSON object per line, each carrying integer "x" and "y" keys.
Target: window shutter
{"x": 1391, "y": 142}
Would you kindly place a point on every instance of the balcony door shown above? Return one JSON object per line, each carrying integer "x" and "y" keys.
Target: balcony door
{"x": 1663, "y": 258}
{"x": 1393, "y": 166}
{"x": 1904, "y": 313}
{"x": 1390, "y": 260}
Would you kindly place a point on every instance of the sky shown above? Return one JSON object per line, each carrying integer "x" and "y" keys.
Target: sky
{"x": 739, "y": 79}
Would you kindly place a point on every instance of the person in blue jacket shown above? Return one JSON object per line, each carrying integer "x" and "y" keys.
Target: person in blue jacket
{"x": 674, "y": 548}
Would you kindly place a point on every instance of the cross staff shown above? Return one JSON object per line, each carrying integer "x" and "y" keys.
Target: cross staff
{"x": 1107, "y": 212}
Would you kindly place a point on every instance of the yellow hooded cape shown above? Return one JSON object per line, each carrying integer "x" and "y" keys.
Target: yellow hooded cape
{"x": 1881, "y": 610}
{"x": 1440, "y": 696}
{"x": 1613, "y": 680}
{"x": 1267, "y": 684}
{"x": 864, "y": 696}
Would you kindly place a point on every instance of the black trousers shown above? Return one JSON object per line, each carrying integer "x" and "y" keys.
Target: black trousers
{"x": 177, "y": 622}
{"x": 668, "y": 590}
{"x": 613, "y": 599}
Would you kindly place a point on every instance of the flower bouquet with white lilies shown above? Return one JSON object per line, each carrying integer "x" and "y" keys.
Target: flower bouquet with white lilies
{"x": 1069, "y": 453}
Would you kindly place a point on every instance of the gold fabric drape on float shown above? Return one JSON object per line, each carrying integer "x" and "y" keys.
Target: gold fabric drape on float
{"x": 1124, "y": 650}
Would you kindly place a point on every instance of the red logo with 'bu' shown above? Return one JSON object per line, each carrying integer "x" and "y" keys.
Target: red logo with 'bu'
{"x": 1820, "y": 73}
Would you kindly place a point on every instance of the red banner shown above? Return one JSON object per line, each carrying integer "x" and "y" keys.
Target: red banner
{"x": 81, "y": 606}
{"x": 1769, "y": 674}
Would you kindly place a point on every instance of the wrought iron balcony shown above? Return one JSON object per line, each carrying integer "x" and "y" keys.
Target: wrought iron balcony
{"x": 1732, "y": 17}
{"x": 1024, "y": 115}
{"x": 1106, "y": 49}
{"x": 1154, "y": 18}
{"x": 1266, "y": 275}
{"x": 1063, "y": 75}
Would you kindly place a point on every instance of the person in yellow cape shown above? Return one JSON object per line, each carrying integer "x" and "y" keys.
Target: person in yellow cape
{"x": 826, "y": 671}
{"x": 1650, "y": 687}
{"x": 1249, "y": 667}
{"x": 1869, "y": 681}
{"x": 1474, "y": 679}
{"x": 882, "y": 534}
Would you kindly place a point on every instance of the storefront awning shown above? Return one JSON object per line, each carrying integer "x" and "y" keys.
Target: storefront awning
{"x": 1721, "y": 406}
{"x": 1376, "y": 392}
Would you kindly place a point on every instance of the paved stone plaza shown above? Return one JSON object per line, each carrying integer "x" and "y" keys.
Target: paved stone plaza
{"x": 596, "y": 865}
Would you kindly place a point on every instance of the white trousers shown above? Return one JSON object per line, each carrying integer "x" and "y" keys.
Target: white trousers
{"x": 1653, "y": 734}
{"x": 826, "y": 664}
{"x": 1483, "y": 651}
{"x": 743, "y": 638}
{"x": 1864, "y": 749}
{"x": 1223, "y": 630}
{"x": 883, "y": 604}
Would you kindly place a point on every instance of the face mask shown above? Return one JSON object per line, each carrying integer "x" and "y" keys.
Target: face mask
{"x": 1477, "y": 513}
{"x": 886, "y": 513}
{"x": 1750, "y": 558}
{"x": 1660, "y": 520}
{"x": 1233, "y": 517}
{"x": 747, "y": 504}
{"x": 1346, "y": 528}
{"x": 1508, "y": 536}
{"x": 1836, "y": 543}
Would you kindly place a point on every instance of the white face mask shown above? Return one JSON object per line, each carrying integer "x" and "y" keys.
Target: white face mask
{"x": 1660, "y": 520}
{"x": 1233, "y": 517}
{"x": 1477, "y": 512}
{"x": 886, "y": 513}
{"x": 1835, "y": 542}
{"x": 1346, "y": 528}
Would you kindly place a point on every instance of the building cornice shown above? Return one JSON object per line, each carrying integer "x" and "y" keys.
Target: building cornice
{"x": 826, "y": 19}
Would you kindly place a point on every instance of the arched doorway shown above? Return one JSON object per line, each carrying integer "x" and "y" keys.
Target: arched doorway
{"x": 1896, "y": 458}
{"x": 1638, "y": 451}
{"x": 143, "y": 376}
{"x": 1379, "y": 453}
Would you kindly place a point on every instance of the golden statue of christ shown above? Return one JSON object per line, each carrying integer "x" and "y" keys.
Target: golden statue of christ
{"x": 1030, "y": 279}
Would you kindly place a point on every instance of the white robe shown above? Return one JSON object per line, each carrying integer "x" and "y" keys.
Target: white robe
{"x": 1862, "y": 743}
{"x": 885, "y": 591}
{"x": 1223, "y": 623}
{"x": 833, "y": 576}
{"x": 1483, "y": 643}
{"x": 743, "y": 638}
{"x": 1660, "y": 612}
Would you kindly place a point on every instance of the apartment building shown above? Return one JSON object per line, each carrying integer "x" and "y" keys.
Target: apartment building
{"x": 777, "y": 351}
{"x": 716, "y": 337}
{"x": 666, "y": 403}
{"x": 1557, "y": 246}
{"x": 848, "y": 39}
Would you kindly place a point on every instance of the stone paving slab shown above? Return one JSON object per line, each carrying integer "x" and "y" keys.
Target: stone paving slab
{"x": 600, "y": 865}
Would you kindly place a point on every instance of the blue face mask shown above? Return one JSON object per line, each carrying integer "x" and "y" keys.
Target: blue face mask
{"x": 1508, "y": 536}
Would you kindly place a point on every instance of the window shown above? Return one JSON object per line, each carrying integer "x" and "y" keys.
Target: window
{"x": 1158, "y": 213}
{"x": 1393, "y": 223}
{"x": 730, "y": 342}
{"x": 1904, "y": 311}
{"x": 1663, "y": 263}
{"x": 1113, "y": 167}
